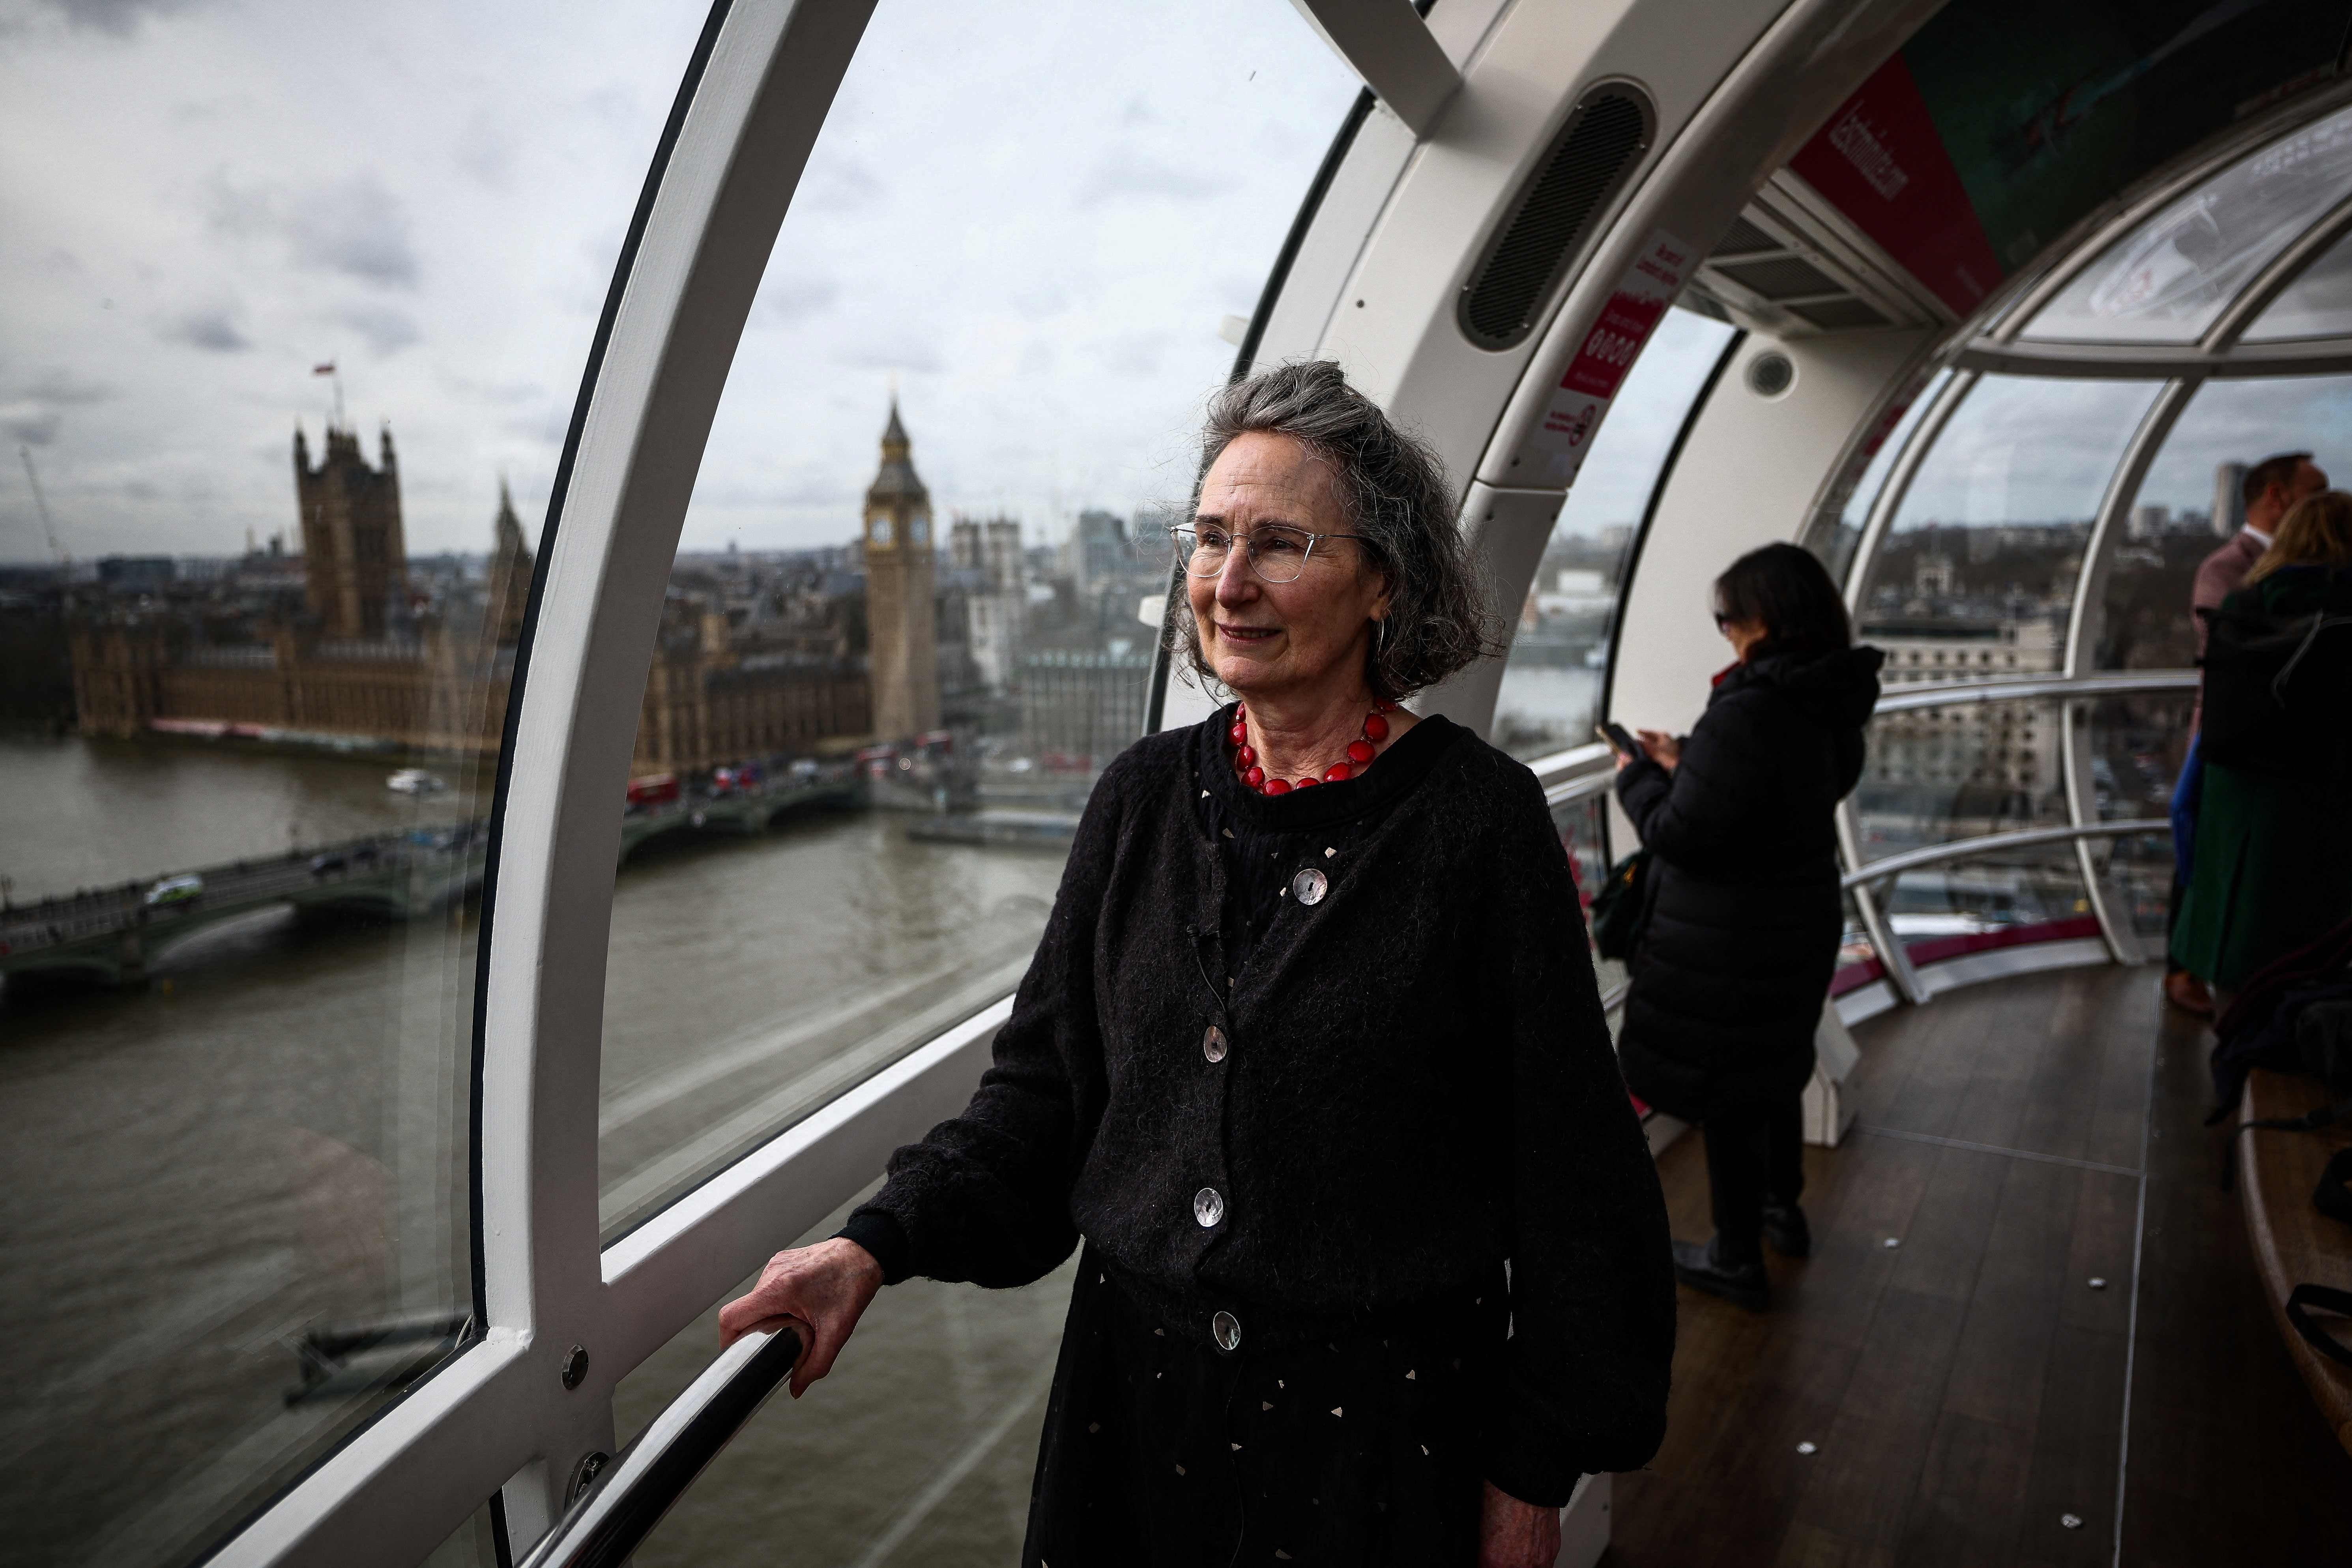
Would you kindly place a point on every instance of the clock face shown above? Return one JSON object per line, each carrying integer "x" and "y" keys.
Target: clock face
{"x": 881, "y": 534}
{"x": 918, "y": 530}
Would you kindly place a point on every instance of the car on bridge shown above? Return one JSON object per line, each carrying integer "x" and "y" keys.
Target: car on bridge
{"x": 181, "y": 889}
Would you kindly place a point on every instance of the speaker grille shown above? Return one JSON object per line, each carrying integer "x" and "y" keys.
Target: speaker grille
{"x": 1604, "y": 137}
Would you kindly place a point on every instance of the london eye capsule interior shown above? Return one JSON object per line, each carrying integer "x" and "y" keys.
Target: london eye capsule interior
{"x": 470, "y": 901}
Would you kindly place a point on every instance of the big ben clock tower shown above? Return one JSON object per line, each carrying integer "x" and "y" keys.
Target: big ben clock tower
{"x": 900, "y": 610}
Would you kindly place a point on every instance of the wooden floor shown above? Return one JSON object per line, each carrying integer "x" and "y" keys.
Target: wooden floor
{"x": 1965, "y": 1389}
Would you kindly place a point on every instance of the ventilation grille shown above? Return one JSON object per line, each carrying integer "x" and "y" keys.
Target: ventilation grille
{"x": 1604, "y": 137}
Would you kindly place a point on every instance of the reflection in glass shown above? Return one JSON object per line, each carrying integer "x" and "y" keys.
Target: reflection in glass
{"x": 1934, "y": 774}
{"x": 1581, "y": 825}
{"x": 2317, "y": 304}
{"x": 913, "y": 608}
{"x": 1976, "y": 576}
{"x": 2006, "y": 900}
{"x": 1858, "y": 962}
{"x": 1559, "y": 657}
{"x": 2169, "y": 278}
{"x": 2191, "y": 501}
{"x": 2137, "y": 745}
{"x": 256, "y": 691}
{"x": 1846, "y": 512}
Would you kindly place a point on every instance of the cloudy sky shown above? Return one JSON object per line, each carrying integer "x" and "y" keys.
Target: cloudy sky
{"x": 1032, "y": 219}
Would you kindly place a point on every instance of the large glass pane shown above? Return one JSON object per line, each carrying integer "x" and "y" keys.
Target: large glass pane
{"x": 904, "y": 630}
{"x": 1560, "y": 647}
{"x": 1987, "y": 902}
{"x": 1976, "y": 577}
{"x": 2191, "y": 501}
{"x": 2169, "y": 278}
{"x": 2318, "y": 304}
{"x": 917, "y": 1450}
{"x": 244, "y": 835}
{"x": 1837, "y": 527}
{"x": 1934, "y": 775}
{"x": 2134, "y": 751}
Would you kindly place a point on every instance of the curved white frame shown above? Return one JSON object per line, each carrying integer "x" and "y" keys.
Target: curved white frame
{"x": 1405, "y": 217}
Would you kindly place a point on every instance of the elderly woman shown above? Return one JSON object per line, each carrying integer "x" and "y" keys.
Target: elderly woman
{"x": 1311, "y": 1060}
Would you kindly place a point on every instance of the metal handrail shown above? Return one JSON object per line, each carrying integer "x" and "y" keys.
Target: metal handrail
{"x": 1908, "y": 697}
{"x": 1993, "y": 843}
{"x": 621, "y": 1504}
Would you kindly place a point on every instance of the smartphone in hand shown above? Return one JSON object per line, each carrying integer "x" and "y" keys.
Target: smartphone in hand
{"x": 1618, "y": 736}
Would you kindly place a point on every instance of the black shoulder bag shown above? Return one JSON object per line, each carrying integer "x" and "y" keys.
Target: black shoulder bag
{"x": 1617, "y": 909}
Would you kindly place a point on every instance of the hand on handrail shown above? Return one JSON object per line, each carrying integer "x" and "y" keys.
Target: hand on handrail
{"x": 821, "y": 1290}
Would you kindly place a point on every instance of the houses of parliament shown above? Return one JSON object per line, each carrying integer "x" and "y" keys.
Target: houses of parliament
{"x": 365, "y": 661}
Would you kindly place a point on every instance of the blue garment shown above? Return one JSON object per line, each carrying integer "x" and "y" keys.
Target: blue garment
{"x": 2187, "y": 792}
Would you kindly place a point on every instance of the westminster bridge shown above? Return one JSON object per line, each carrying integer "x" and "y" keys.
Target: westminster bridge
{"x": 114, "y": 933}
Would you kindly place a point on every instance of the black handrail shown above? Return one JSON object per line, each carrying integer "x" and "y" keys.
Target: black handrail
{"x": 620, "y": 1506}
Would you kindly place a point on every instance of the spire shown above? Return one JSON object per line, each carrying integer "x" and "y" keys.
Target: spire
{"x": 509, "y": 527}
{"x": 301, "y": 449}
{"x": 898, "y": 479}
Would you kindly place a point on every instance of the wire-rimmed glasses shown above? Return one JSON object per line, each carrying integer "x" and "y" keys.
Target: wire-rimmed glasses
{"x": 1277, "y": 552}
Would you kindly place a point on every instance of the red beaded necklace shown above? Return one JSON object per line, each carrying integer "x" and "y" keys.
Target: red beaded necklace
{"x": 1361, "y": 753}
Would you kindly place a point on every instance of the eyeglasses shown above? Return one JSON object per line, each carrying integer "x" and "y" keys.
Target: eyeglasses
{"x": 1277, "y": 552}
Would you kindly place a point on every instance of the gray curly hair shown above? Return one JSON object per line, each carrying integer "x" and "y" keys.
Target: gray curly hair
{"x": 1396, "y": 494}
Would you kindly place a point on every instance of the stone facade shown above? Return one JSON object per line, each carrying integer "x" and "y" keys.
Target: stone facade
{"x": 354, "y": 554}
{"x": 438, "y": 681}
{"x": 900, "y": 576}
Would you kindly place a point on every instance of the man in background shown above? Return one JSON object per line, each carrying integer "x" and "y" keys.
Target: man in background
{"x": 2272, "y": 486}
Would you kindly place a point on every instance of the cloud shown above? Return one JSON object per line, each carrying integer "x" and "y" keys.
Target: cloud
{"x": 905, "y": 350}
{"x": 355, "y": 226}
{"x": 839, "y": 185}
{"x": 120, "y": 17}
{"x": 34, "y": 424}
{"x": 35, "y": 418}
{"x": 1127, "y": 172}
{"x": 214, "y": 327}
{"x": 386, "y": 331}
{"x": 486, "y": 150}
{"x": 790, "y": 299}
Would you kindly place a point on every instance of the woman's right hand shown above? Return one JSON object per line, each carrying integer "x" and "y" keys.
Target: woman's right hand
{"x": 821, "y": 1290}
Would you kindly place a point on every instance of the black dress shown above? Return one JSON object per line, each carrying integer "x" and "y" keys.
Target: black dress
{"x": 1306, "y": 1090}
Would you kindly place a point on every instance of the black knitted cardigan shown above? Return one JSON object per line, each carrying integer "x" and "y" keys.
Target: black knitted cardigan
{"x": 1419, "y": 1085}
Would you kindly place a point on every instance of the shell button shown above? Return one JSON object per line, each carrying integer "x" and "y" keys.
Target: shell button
{"x": 1310, "y": 886}
{"x": 1228, "y": 1330}
{"x": 1208, "y": 1207}
{"x": 1213, "y": 1043}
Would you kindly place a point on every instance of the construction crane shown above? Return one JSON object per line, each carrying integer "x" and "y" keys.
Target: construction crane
{"x": 42, "y": 506}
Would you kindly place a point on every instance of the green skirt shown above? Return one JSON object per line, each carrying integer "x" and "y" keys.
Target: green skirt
{"x": 2274, "y": 871}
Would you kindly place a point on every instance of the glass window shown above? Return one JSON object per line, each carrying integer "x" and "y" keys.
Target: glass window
{"x": 1858, "y": 963}
{"x": 917, "y": 1450}
{"x": 1837, "y": 528}
{"x": 1988, "y": 901}
{"x": 1558, "y": 661}
{"x": 2191, "y": 501}
{"x": 1934, "y": 775}
{"x": 2167, "y": 280}
{"x": 2318, "y": 304}
{"x": 1976, "y": 576}
{"x": 259, "y": 634}
{"x": 1582, "y": 826}
{"x": 905, "y": 625}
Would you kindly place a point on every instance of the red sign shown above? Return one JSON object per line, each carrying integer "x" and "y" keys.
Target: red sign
{"x": 1881, "y": 163}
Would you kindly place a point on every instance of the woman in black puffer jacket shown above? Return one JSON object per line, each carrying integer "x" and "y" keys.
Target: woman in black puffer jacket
{"x": 1743, "y": 919}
